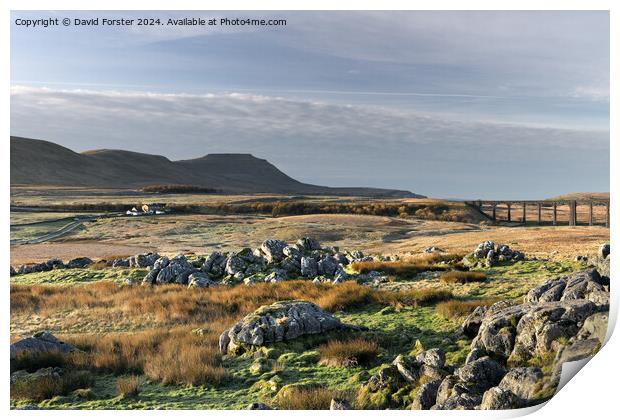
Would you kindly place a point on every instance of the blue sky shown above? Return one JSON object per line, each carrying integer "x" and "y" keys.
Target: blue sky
{"x": 448, "y": 104}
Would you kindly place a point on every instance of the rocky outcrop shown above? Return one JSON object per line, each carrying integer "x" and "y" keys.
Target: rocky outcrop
{"x": 339, "y": 404}
{"x": 43, "y": 374}
{"x": 176, "y": 270}
{"x": 564, "y": 319}
{"x": 39, "y": 344}
{"x": 481, "y": 374}
{"x": 601, "y": 262}
{"x": 585, "y": 284}
{"x": 487, "y": 254}
{"x": 80, "y": 262}
{"x": 200, "y": 280}
{"x": 497, "y": 398}
{"x": 584, "y": 345}
{"x": 386, "y": 388}
{"x": 273, "y": 250}
{"x": 472, "y": 323}
{"x": 426, "y": 396}
{"x": 273, "y": 261}
{"x": 143, "y": 260}
{"x": 280, "y": 321}
{"x": 51, "y": 264}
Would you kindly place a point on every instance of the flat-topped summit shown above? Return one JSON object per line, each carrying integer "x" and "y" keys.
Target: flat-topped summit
{"x": 39, "y": 162}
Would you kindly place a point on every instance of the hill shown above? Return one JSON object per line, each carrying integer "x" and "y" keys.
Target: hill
{"x": 39, "y": 162}
{"x": 585, "y": 196}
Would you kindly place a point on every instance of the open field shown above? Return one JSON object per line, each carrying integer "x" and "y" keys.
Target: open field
{"x": 157, "y": 346}
{"x": 215, "y": 222}
{"x": 169, "y": 234}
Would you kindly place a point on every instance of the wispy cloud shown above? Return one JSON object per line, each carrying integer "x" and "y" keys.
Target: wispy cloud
{"x": 322, "y": 142}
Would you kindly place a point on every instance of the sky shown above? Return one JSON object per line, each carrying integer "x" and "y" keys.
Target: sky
{"x": 495, "y": 105}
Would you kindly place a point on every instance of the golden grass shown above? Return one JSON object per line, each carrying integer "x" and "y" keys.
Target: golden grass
{"x": 128, "y": 386}
{"x": 347, "y": 353}
{"x": 409, "y": 267}
{"x": 175, "y": 304}
{"x": 558, "y": 243}
{"x": 452, "y": 277}
{"x": 173, "y": 356}
{"x": 44, "y": 387}
{"x": 24, "y": 360}
{"x": 460, "y": 308}
{"x": 307, "y": 398}
{"x": 169, "y": 352}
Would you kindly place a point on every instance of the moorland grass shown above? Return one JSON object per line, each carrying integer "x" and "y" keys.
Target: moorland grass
{"x": 411, "y": 266}
{"x": 171, "y": 356}
{"x": 42, "y": 387}
{"x": 178, "y": 304}
{"x": 307, "y": 397}
{"x": 355, "y": 352}
{"x": 451, "y": 277}
{"x": 459, "y": 308}
{"x": 170, "y": 353}
{"x": 128, "y": 386}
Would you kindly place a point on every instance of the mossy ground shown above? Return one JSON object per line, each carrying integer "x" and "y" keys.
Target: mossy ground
{"x": 259, "y": 376}
{"x": 79, "y": 275}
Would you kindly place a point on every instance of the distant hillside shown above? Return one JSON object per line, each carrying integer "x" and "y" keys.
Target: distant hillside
{"x": 38, "y": 162}
{"x": 583, "y": 196}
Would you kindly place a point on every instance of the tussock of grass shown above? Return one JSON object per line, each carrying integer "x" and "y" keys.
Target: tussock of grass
{"x": 352, "y": 296}
{"x": 451, "y": 277}
{"x": 409, "y": 267}
{"x": 171, "y": 356}
{"x": 307, "y": 398}
{"x": 32, "y": 362}
{"x": 41, "y": 388}
{"x": 128, "y": 386}
{"x": 460, "y": 308}
{"x": 356, "y": 352}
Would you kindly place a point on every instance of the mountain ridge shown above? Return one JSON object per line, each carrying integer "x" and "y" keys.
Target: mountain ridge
{"x": 44, "y": 163}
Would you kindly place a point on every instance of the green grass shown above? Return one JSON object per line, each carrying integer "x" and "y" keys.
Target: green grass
{"x": 535, "y": 269}
{"x": 79, "y": 275}
{"x": 297, "y": 363}
{"x": 397, "y": 331}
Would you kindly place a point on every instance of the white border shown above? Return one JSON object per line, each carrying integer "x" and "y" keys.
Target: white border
{"x": 593, "y": 394}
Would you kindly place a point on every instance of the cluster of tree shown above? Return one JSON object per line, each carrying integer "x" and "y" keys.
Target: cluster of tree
{"x": 179, "y": 189}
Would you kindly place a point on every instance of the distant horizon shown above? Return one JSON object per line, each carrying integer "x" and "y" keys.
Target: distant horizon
{"x": 387, "y": 187}
{"x": 464, "y": 103}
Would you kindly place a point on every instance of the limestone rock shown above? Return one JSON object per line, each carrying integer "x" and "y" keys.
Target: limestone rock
{"x": 339, "y": 404}
{"x": 520, "y": 381}
{"x": 497, "y": 398}
{"x": 273, "y": 250}
{"x": 584, "y": 284}
{"x": 482, "y": 373}
{"x": 143, "y": 260}
{"x": 309, "y": 244}
{"x": 200, "y": 280}
{"x": 280, "y": 321}
{"x": 327, "y": 266}
{"x": 433, "y": 357}
{"x": 80, "y": 262}
{"x": 544, "y": 324}
{"x": 40, "y": 343}
{"x": 309, "y": 267}
{"x": 472, "y": 323}
{"x": 426, "y": 396}
{"x": 498, "y": 330}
